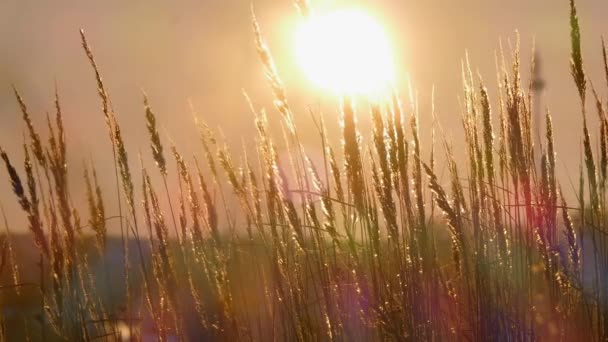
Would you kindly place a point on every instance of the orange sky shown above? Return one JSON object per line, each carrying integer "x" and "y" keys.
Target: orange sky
{"x": 203, "y": 50}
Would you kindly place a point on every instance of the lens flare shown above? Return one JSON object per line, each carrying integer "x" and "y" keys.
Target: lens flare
{"x": 346, "y": 52}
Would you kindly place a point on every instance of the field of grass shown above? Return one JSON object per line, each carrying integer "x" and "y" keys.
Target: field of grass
{"x": 370, "y": 243}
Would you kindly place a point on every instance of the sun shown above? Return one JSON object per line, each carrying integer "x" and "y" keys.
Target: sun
{"x": 346, "y": 52}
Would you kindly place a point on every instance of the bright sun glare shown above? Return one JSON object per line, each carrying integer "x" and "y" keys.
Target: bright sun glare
{"x": 345, "y": 52}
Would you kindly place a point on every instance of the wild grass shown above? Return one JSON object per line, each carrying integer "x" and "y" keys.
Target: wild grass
{"x": 369, "y": 244}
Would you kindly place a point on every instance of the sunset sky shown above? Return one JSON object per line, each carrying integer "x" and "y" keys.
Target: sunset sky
{"x": 203, "y": 51}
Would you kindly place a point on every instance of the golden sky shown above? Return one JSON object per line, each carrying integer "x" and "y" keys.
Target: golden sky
{"x": 203, "y": 51}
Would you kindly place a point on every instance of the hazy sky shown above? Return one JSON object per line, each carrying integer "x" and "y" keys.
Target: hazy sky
{"x": 203, "y": 51}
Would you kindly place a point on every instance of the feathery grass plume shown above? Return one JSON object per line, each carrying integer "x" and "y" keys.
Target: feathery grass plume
{"x": 335, "y": 172}
{"x": 12, "y": 264}
{"x": 383, "y": 184}
{"x": 97, "y": 219}
{"x": 576, "y": 57}
{"x": 529, "y": 113}
{"x": 255, "y": 196}
{"x": 544, "y": 200}
{"x": 146, "y": 205}
{"x": 272, "y": 201}
{"x": 603, "y": 139}
{"x": 288, "y": 205}
{"x": 125, "y": 173}
{"x": 374, "y": 229}
{"x": 121, "y": 158}
{"x": 417, "y": 183}
{"x": 476, "y": 169}
{"x": 31, "y": 183}
{"x": 58, "y": 166}
{"x": 488, "y": 134}
{"x": 207, "y": 140}
{"x": 231, "y": 171}
{"x": 101, "y": 90}
{"x": 520, "y": 147}
{"x": 417, "y": 172}
{"x": 392, "y": 149}
{"x": 456, "y": 186}
{"x": 52, "y": 150}
{"x": 570, "y": 233}
{"x": 192, "y": 196}
{"x": 61, "y": 143}
{"x": 56, "y": 156}
{"x": 35, "y": 224}
{"x": 488, "y": 137}
{"x": 161, "y": 268}
{"x": 452, "y": 213}
{"x": 590, "y": 164}
{"x": 543, "y": 250}
{"x": 160, "y": 228}
{"x": 280, "y": 98}
{"x": 382, "y": 150}
{"x": 352, "y": 156}
{"x": 57, "y": 258}
{"x": 515, "y": 135}
{"x": 402, "y": 159}
{"x": 502, "y": 148}
{"x": 267, "y": 151}
{"x": 195, "y": 207}
{"x": 578, "y": 74}
{"x": 34, "y": 137}
{"x": 183, "y": 220}
{"x": 99, "y": 203}
{"x": 110, "y": 122}
{"x": 210, "y": 211}
{"x": 551, "y": 177}
{"x": 155, "y": 144}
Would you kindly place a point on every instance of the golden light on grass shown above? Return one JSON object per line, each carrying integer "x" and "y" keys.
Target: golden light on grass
{"x": 376, "y": 240}
{"x": 345, "y": 52}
